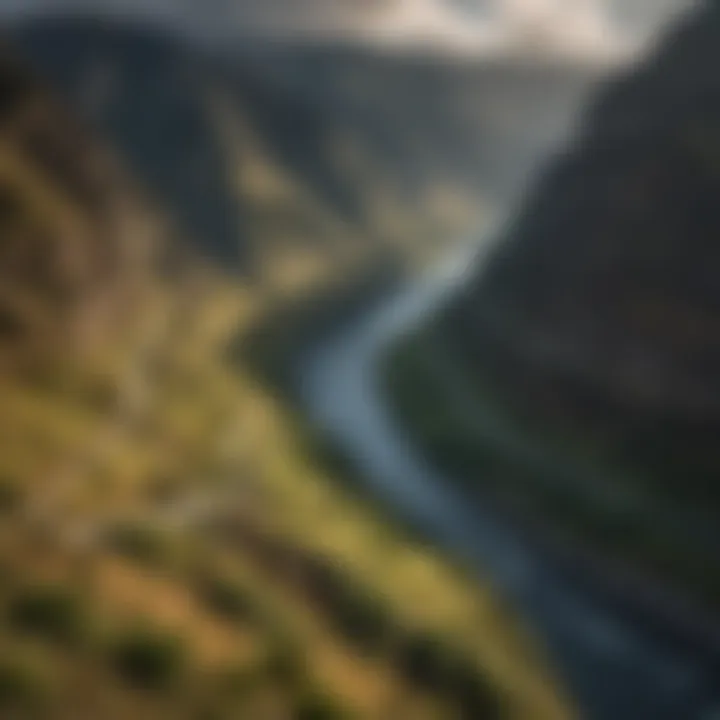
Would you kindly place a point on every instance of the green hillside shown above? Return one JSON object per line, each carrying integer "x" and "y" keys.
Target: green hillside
{"x": 174, "y": 542}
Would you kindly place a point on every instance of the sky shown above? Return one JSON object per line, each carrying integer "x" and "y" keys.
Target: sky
{"x": 571, "y": 26}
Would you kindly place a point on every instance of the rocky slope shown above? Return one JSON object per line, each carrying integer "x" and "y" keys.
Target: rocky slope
{"x": 598, "y": 317}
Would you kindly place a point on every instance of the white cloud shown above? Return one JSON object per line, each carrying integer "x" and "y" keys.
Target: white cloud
{"x": 575, "y": 26}
{"x": 578, "y": 26}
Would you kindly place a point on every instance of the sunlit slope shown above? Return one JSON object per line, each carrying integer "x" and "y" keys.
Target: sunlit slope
{"x": 173, "y": 543}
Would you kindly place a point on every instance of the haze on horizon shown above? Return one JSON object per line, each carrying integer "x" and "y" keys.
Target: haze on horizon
{"x": 575, "y": 27}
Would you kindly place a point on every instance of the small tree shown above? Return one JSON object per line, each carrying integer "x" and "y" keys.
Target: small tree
{"x": 424, "y": 661}
{"x": 362, "y": 619}
{"x": 314, "y": 705}
{"x": 22, "y": 686}
{"x": 149, "y": 660}
{"x": 473, "y": 693}
{"x": 227, "y": 598}
{"x": 51, "y": 612}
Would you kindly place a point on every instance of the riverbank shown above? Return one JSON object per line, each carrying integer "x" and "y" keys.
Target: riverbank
{"x": 615, "y": 667}
{"x": 344, "y": 520}
{"x": 465, "y": 429}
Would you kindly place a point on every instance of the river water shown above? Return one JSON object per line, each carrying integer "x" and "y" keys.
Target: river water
{"x": 614, "y": 670}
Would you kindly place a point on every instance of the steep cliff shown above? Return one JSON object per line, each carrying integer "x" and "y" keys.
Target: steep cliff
{"x": 601, "y": 311}
{"x": 574, "y": 376}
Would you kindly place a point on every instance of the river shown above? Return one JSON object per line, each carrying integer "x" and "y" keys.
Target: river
{"x": 615, "y": 670}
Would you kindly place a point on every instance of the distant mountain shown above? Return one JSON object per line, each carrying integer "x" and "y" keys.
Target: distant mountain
{"x": 289, "y": 145}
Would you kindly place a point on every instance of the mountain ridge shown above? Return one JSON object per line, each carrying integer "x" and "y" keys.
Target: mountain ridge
{"x": 387, "y": 153}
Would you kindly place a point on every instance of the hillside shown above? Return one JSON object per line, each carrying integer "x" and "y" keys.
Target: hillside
{"x": 590, "y": 339}
{"x": 174, "y": 541}
{"x": 76, "y": 248}
{"x": 277, "y": 151}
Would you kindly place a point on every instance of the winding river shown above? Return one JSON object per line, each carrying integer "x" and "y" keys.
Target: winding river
{"x": 615, "y": 670}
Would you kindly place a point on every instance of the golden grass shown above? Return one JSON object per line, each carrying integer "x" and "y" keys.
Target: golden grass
{"x": 204, "y": 419}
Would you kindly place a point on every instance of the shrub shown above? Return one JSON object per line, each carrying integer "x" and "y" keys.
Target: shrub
{"x": 148, "y": 660}
{"x": 138, "y": 542}
{"x": 474, "y": 696}
{"x": 51, "y": 612}
{"x": 424, "y": 661}
{"x": 362, "y": 619}
{"x": 22, "y": 686}
{"x": 356, "y": 613}
{"x": 11, "y": 495}
{"x": 313, "y": 705}
{"x": 285, "y": 663}
{"x": 227, "y": 598}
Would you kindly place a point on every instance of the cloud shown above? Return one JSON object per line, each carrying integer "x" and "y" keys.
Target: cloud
{"x": 576, "y": 26}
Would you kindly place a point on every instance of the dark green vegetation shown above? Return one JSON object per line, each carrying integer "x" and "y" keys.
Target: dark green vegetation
{"x": 577, "y": 376}
{"x": 51, "y": 612}
{"x": 148, "y": 660}
{"x": 555, "y": 481}
{"x": 228, "y": 598}
{"x": 22, "y": 686}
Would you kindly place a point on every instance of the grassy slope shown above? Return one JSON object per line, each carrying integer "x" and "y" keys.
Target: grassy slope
{"x": 258, "y": 509}
{"x": 168, "y": 491}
